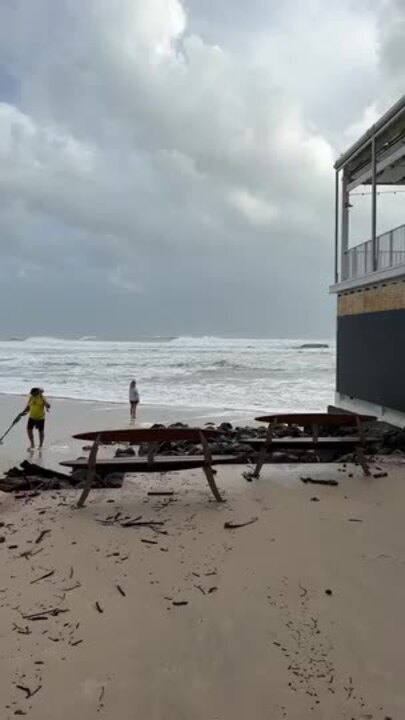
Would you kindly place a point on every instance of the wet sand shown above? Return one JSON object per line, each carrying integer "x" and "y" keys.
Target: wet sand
{"x": 296, "y": 615}
{"x": 68, "y": 417}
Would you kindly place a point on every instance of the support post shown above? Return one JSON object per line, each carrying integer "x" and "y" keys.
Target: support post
{"x": 336, "y": 226}
{"x": 91, "y": 472}
{"x": 344, "y": 245}
{"x": 374, "y": 205}
{"x": 208, "y": 470}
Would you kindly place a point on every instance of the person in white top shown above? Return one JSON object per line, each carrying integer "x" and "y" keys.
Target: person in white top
{"x": 133, "y": 400}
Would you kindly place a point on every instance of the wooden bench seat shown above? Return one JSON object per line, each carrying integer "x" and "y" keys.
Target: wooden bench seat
{"x": 305, "y": 443}
{"x": 161, "y": 463}
{"x": 152, "y": 462}
{"x": 315, "y": 422}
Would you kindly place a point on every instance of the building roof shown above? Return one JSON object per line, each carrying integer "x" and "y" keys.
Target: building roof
{"x": 389, "y": 135}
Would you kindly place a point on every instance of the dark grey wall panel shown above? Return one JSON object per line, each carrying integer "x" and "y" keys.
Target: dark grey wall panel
{"x": 371, "y": 357}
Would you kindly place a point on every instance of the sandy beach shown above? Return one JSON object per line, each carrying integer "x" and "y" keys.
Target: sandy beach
{"x": 296, "y": 615}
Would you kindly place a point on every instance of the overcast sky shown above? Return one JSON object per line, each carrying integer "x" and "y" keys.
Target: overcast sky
{"x": 166, "y": 167}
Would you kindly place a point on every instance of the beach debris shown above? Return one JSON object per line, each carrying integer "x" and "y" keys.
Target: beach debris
{"x": 22, "y": 630}
{"x": 98, "y": 607}
{"x": 179, "y": 603}
{"x": 303, "y": 589}
{"x": 28, "y": 693}
{"x": 328, "y": 591}
{"x": 121, "y": 591}
{"x": 355, "y": 520}
{"x": 41, "y": 536}
{"x": 313, "y": 481}
{"x": 212, "y": 589}
{"x": 229, "y": 525}
{"x": 149, "y": 542}
{"x": 43, "y": 615}
{"x": 100, "y": 699}
{"x": 380, "y": 475}
{"x": 138, "y": 522}
{"x": 315, "y": 499}
{"x": 71, "y": 572}
{"x": 30, "y": 553}
{"x": 73, "y": 587}
{"x": 77, "y": 642}
{"x": 161, "y": 492}
{"x": 2, "y": 539}
{"x": 41, "y": 471}
{"x": 200, "y": 588}
{"x": 43, "y": 577}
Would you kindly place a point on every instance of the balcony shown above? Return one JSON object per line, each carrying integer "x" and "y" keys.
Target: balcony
{"x": 390, "y": 253}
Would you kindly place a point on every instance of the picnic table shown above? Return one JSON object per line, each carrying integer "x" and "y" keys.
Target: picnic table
{"x": 152, "y": 462}
{"x": 316, "y": 423}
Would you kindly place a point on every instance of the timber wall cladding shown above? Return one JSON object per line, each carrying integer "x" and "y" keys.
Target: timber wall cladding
{"x": 387, "y": 296}
{"x": 371, "y": 345}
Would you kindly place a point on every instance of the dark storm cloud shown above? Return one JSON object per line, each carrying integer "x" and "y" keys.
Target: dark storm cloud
{"x": 168, "y": 167}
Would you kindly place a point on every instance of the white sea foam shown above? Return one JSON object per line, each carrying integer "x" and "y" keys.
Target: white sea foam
{"x": 185, "y": 371}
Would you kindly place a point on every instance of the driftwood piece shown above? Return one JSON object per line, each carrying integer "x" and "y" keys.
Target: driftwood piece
{"x": 22, "y": 630}
{"x": 73, "y": 587}
{"x": 53, "y": 612}
{"x": 28, "y": 693}
{"x": 160, "y": 492}
{"x": 331, "y": 483}
{"x": 121, "y": 591}
{"x": 30, "y": 553}
{"x": 43, "y": 577}
{"x": 41, "y": 536}
{"x": 233, "y": 526}
{"x": 141, "y": 523}
{"x": 98, "y": 607}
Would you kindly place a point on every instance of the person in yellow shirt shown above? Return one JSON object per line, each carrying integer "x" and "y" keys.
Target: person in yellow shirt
{"x": 36, "y": 407}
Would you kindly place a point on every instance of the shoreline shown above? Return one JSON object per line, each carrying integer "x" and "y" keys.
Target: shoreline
{"x": 215, "y": 410}
{"x": 68, "y": 417}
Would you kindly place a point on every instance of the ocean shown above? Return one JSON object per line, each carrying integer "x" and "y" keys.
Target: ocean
{"x": 229, "y": 374}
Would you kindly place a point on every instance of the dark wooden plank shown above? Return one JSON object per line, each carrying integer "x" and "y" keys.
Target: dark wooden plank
{"x": 161, "y": 463}
{"x": 322, "y": 419}
{"x": 136, "y": 436}
{"x": 304, "y": 442}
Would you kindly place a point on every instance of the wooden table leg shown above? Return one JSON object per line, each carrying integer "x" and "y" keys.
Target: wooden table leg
{"x": 361, "y": 458}
{"x": 208, "y": 471}
{"x": 360, "y": 449}
{"x": 263, "y": 452}
{"x": 91, "y": 473}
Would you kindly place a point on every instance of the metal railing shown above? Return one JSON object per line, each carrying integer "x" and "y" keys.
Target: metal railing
{"x": 390, "y": 252}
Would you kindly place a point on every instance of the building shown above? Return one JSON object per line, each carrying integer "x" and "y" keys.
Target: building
{"x": 370, "y": 277}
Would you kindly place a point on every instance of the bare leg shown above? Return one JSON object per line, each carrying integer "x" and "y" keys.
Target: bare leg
{"x": 30, "y": 434}
{"x": 132, "y": 411}
{"x": 41, "y": 437}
